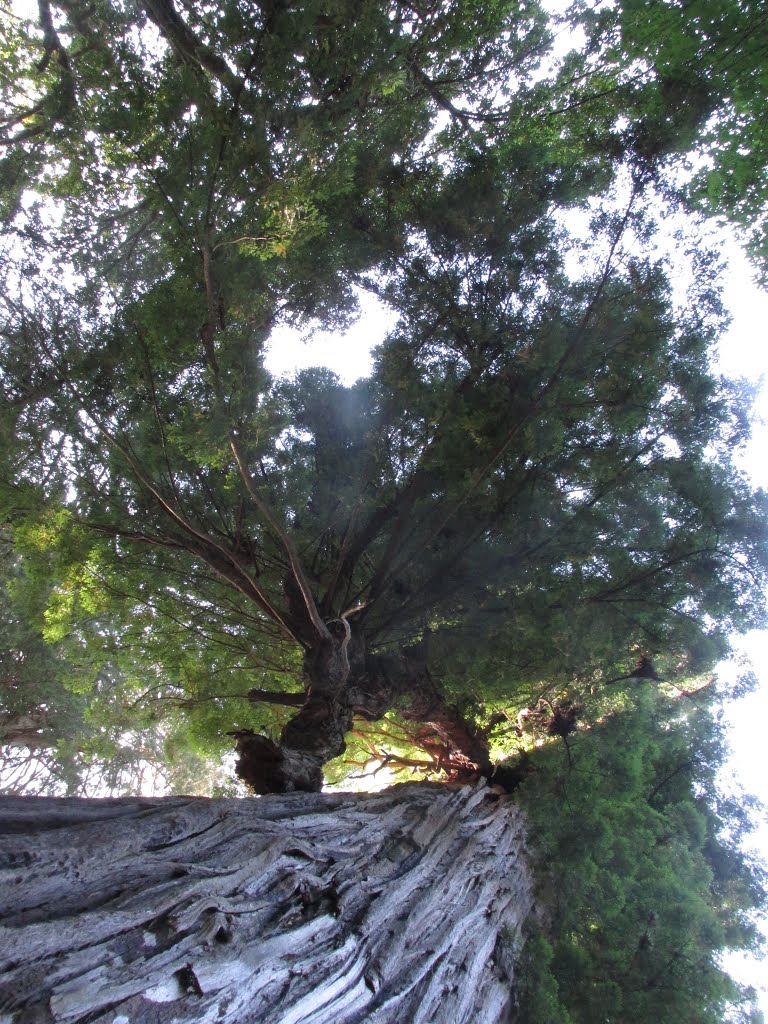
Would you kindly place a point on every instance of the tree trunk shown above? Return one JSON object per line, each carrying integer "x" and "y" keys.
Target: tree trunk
{"x": 342, "y": 681}
{"x": 404, "y": 906}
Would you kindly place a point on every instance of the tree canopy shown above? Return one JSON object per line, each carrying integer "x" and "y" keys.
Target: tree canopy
{"x": 536, "y": 480}
{"x": 529, "y": 510}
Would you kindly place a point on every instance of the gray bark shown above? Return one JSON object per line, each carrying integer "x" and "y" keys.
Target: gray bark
{"x": 404, "y": 906}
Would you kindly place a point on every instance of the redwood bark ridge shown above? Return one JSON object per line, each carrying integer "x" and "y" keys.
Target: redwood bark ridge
{"x": 403, "y": 907}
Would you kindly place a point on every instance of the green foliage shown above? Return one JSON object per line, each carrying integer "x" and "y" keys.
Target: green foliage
{"x": 643, "y": 878}
{"x": 56, "y": 735}
{"x": 32, "y": 672}
{"x": 536, "y": 483}
{"x": 538, "y": 993}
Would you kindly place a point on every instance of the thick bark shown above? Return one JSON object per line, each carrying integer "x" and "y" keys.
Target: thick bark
{"x": 289, "y": 700}
{"x": 313, "y": 736}
{"x": 396, "y": 908}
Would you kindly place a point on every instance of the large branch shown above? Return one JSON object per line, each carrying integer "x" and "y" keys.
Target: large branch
{"x": 317, "y": 733}
{"x": 313, "y": 737}
{"x": 387, "y": 572}
{"x": 282, "y": 535}
{"x": 442, "y": 101}
{"x": 289, "y": 700}
{"x": 53, "y": 45}
{"x": 224, "y": 562}
{"x": 188, "y": 46}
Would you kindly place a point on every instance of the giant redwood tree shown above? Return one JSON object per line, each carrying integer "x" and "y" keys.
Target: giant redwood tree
{"x": 531, "y": 502}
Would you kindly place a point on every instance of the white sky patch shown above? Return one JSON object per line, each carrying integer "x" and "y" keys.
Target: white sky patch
{"x": 347, "y": 354}
{"x": 743, "y": 352}
{"x": 27, "y": 9}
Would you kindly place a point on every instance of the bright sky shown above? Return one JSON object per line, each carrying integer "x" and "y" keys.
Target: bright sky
{"x": 744, "y": 352}
{"x": 348, "y": 355}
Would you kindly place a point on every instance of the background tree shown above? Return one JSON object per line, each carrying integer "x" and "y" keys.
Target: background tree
{"x": 650, "y": 875}
{"x": 60, "y": 729}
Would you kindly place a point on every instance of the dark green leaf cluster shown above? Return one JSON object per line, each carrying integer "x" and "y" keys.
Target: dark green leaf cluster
{"x": 642, "y": 876}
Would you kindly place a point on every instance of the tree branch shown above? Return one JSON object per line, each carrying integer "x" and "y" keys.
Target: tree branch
{"x": 293, "y": 556}
{"x": 188, "y": 46}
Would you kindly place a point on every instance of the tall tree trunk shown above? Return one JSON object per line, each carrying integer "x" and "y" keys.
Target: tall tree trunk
{"x": 404, "y": 906}
{"x": 315, "y": 734}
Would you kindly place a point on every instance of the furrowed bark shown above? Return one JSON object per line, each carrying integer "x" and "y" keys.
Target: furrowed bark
{"x": 403, "y": 907}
